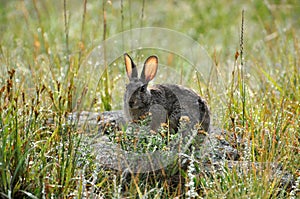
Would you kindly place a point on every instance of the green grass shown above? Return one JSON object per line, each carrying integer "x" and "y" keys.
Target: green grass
{"x": 43, "y": 45}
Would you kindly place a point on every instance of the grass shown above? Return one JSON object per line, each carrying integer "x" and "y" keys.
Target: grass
{"x": 43, "y": 45}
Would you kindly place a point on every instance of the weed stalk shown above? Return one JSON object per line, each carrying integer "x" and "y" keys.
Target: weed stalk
{"x": 106, "y": 96}
{"x": 243, "y": 92}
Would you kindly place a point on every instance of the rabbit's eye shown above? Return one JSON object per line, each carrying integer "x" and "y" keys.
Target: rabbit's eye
{"x": 144, "y": 88}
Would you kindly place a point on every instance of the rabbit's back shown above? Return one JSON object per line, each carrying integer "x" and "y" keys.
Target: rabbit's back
{"x": 180, "y": 101}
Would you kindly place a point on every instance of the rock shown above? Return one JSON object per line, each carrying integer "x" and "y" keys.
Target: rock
{"x": 217, "y": 148}
{"x": 215, "y": 153}
{"x": 102, "y": 121}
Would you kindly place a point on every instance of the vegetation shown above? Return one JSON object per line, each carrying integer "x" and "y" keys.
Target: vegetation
{"x": 255, "y": 94}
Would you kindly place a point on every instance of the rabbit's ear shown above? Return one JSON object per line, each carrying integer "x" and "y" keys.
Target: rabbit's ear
{"x": 130, "y": 67}
{"x": 150, "y": 69}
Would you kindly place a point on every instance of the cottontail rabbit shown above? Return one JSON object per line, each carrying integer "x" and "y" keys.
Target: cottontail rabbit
{"x": 167, "y": 103}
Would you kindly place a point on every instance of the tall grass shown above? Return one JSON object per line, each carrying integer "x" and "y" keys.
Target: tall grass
{"x": 43, "y": 154}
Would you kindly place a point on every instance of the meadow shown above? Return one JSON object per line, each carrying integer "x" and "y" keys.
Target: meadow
{"x": 45, "y": 48}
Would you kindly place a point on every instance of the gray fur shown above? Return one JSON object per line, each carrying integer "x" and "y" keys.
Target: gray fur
{"x": 166, "y": 102}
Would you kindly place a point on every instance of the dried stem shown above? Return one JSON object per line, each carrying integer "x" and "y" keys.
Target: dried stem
{"x": 106, "y": 97}
{"x": 66, "y": 20}
{"x": 242, "y": 68}
{"x": 81, "y": 43}
{"x": 142, "y": 15}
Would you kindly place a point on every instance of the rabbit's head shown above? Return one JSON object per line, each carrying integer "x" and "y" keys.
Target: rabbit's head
{"x": 137, "y": 97}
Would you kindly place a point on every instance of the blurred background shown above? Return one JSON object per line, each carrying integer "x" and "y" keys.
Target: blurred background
{"x": 51, "y": 41}
{"x": 46, "y": 46}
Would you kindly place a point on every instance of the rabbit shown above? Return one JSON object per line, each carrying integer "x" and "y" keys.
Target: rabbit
{"x": 167, "y": 103}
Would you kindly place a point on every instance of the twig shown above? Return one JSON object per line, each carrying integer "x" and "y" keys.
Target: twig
{"x": 82, "y": 30}
{"x": 122, "y": 24}
{"x": 66, "y": 27}
{"x": 142, "y": 15}
{"x": 242, "y": 68}
{"x": 106, "y": 97}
